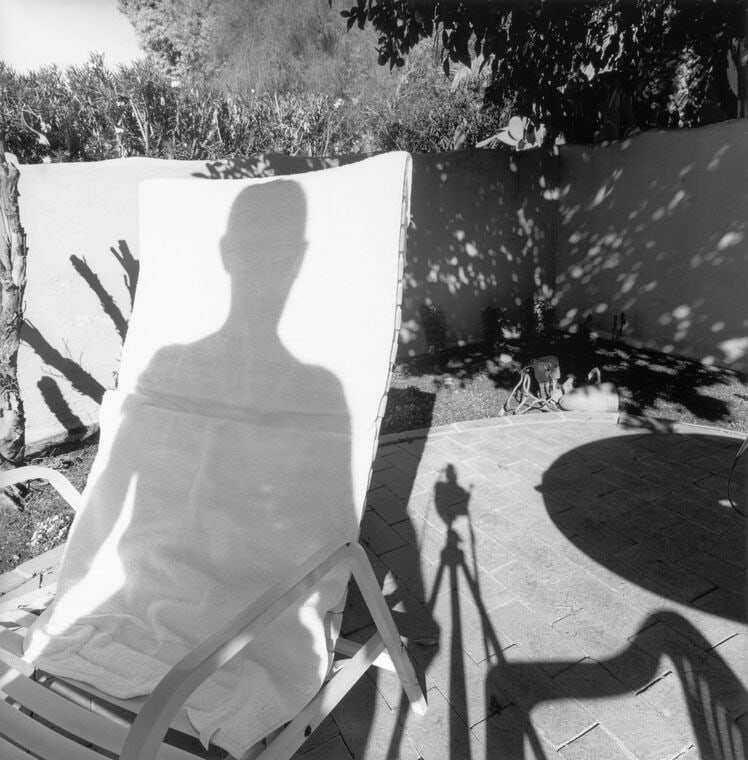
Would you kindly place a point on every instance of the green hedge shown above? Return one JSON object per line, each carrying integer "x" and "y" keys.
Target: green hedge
{"x": 90, "y": 113}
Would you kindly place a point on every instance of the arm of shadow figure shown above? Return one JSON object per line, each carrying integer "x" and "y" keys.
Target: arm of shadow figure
{"x": 715, "y": 697}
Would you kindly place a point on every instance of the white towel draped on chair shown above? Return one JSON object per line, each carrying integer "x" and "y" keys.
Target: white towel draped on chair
{"x": 240, "y": 437}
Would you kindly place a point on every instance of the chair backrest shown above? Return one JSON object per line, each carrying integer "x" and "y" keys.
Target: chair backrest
{"x": 241, "y": 435}
{"x": 297, "y": 279}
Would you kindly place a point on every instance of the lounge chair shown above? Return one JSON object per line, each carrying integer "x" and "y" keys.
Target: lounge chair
{"x": 205, "y": 574}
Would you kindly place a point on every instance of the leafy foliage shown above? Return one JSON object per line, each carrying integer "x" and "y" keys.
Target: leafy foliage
{"x": 590, "y": 69}
{"x": 434, "y": 326}
{"x": 428, "y": 112}
{"x": 178, "y": 32}
{"x": 89, "y": 112}
{"x": 287, "y": 46}
{"x": 92, "y": 113}
{"x": 256, "y": 48}
{"x": 246, "y": 46}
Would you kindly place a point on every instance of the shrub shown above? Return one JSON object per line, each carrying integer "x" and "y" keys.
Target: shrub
{"x": 494, "y": 323}
{"x": 434, "y": 326}
{"x": 90, "y": 113}
{"x": 536, "y": 321}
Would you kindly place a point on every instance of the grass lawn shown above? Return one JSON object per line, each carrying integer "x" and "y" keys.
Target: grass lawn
{"x": 462, "y": 384}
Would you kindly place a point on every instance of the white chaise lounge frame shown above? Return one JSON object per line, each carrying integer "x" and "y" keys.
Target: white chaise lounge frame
{"x": 30, "y": 709}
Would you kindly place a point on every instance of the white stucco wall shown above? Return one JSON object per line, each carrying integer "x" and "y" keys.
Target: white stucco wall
{"x": 654, "y": 226}
{"x": 71, "y": 350}
{"x": 657, "y": 227}
{"x": 81, "y": 221}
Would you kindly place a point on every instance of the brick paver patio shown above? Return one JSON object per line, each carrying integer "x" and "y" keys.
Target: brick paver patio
{"x": 570, "y": 588}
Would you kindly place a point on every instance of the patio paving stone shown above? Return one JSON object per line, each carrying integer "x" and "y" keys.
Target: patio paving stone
{"x": 627, "y": 717}
{"x": 596, "y": 744}
{"x": 556, "y": 715}
{"x": 543, "y": 643}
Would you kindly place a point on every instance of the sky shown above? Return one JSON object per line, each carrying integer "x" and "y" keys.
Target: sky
{"x": 38, "y": 32}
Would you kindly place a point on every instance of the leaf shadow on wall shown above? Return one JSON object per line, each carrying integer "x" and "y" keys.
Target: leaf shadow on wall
{"x": 654, "y": 227}
{"x": 482, "y": 236}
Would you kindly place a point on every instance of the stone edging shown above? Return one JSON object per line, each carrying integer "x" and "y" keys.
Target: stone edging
{"x": 653, "y": 424}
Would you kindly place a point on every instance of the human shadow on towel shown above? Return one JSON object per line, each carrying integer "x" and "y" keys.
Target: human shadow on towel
{"x": 223, "y": 465}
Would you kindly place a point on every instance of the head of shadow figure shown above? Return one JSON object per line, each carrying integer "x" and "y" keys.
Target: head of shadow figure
{"x": 261, "y": 258}
{"x": 654, "y": 526}
{"x": 248, "y": 362}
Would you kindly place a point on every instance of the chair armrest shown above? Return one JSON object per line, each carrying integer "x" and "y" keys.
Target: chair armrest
{"x": 36, "y": 472}
{"x": 159, "y": 710}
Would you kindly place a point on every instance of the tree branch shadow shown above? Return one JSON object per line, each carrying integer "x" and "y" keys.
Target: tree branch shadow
{"x": 130, "y": 265}
{"x": 57, "y": 404}
{"x": 82, "y": 381}
{"x": 105, "y": 299}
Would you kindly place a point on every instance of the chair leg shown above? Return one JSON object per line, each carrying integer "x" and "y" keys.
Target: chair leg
{"x": 292, "y": 736}
{"x": 380, "y": 613}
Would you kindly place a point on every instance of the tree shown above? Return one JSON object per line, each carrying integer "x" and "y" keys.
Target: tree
{"x": 177, "y": 32}
{"x": 287, "y": 46}
{"x": 12, "y": 286}
{"x": 256, "y": 48}
{"x": 247, "y": 46}
{"x": 591, "y": 69}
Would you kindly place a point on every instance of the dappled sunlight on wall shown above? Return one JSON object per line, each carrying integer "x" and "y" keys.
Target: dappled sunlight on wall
{"x": 657, "y": 227}
{"x": 482, "y": 235}
{"x": 536, "y": 219}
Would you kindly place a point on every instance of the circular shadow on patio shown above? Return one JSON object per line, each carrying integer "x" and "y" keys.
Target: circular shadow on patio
{"x": 652, "y": 509}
